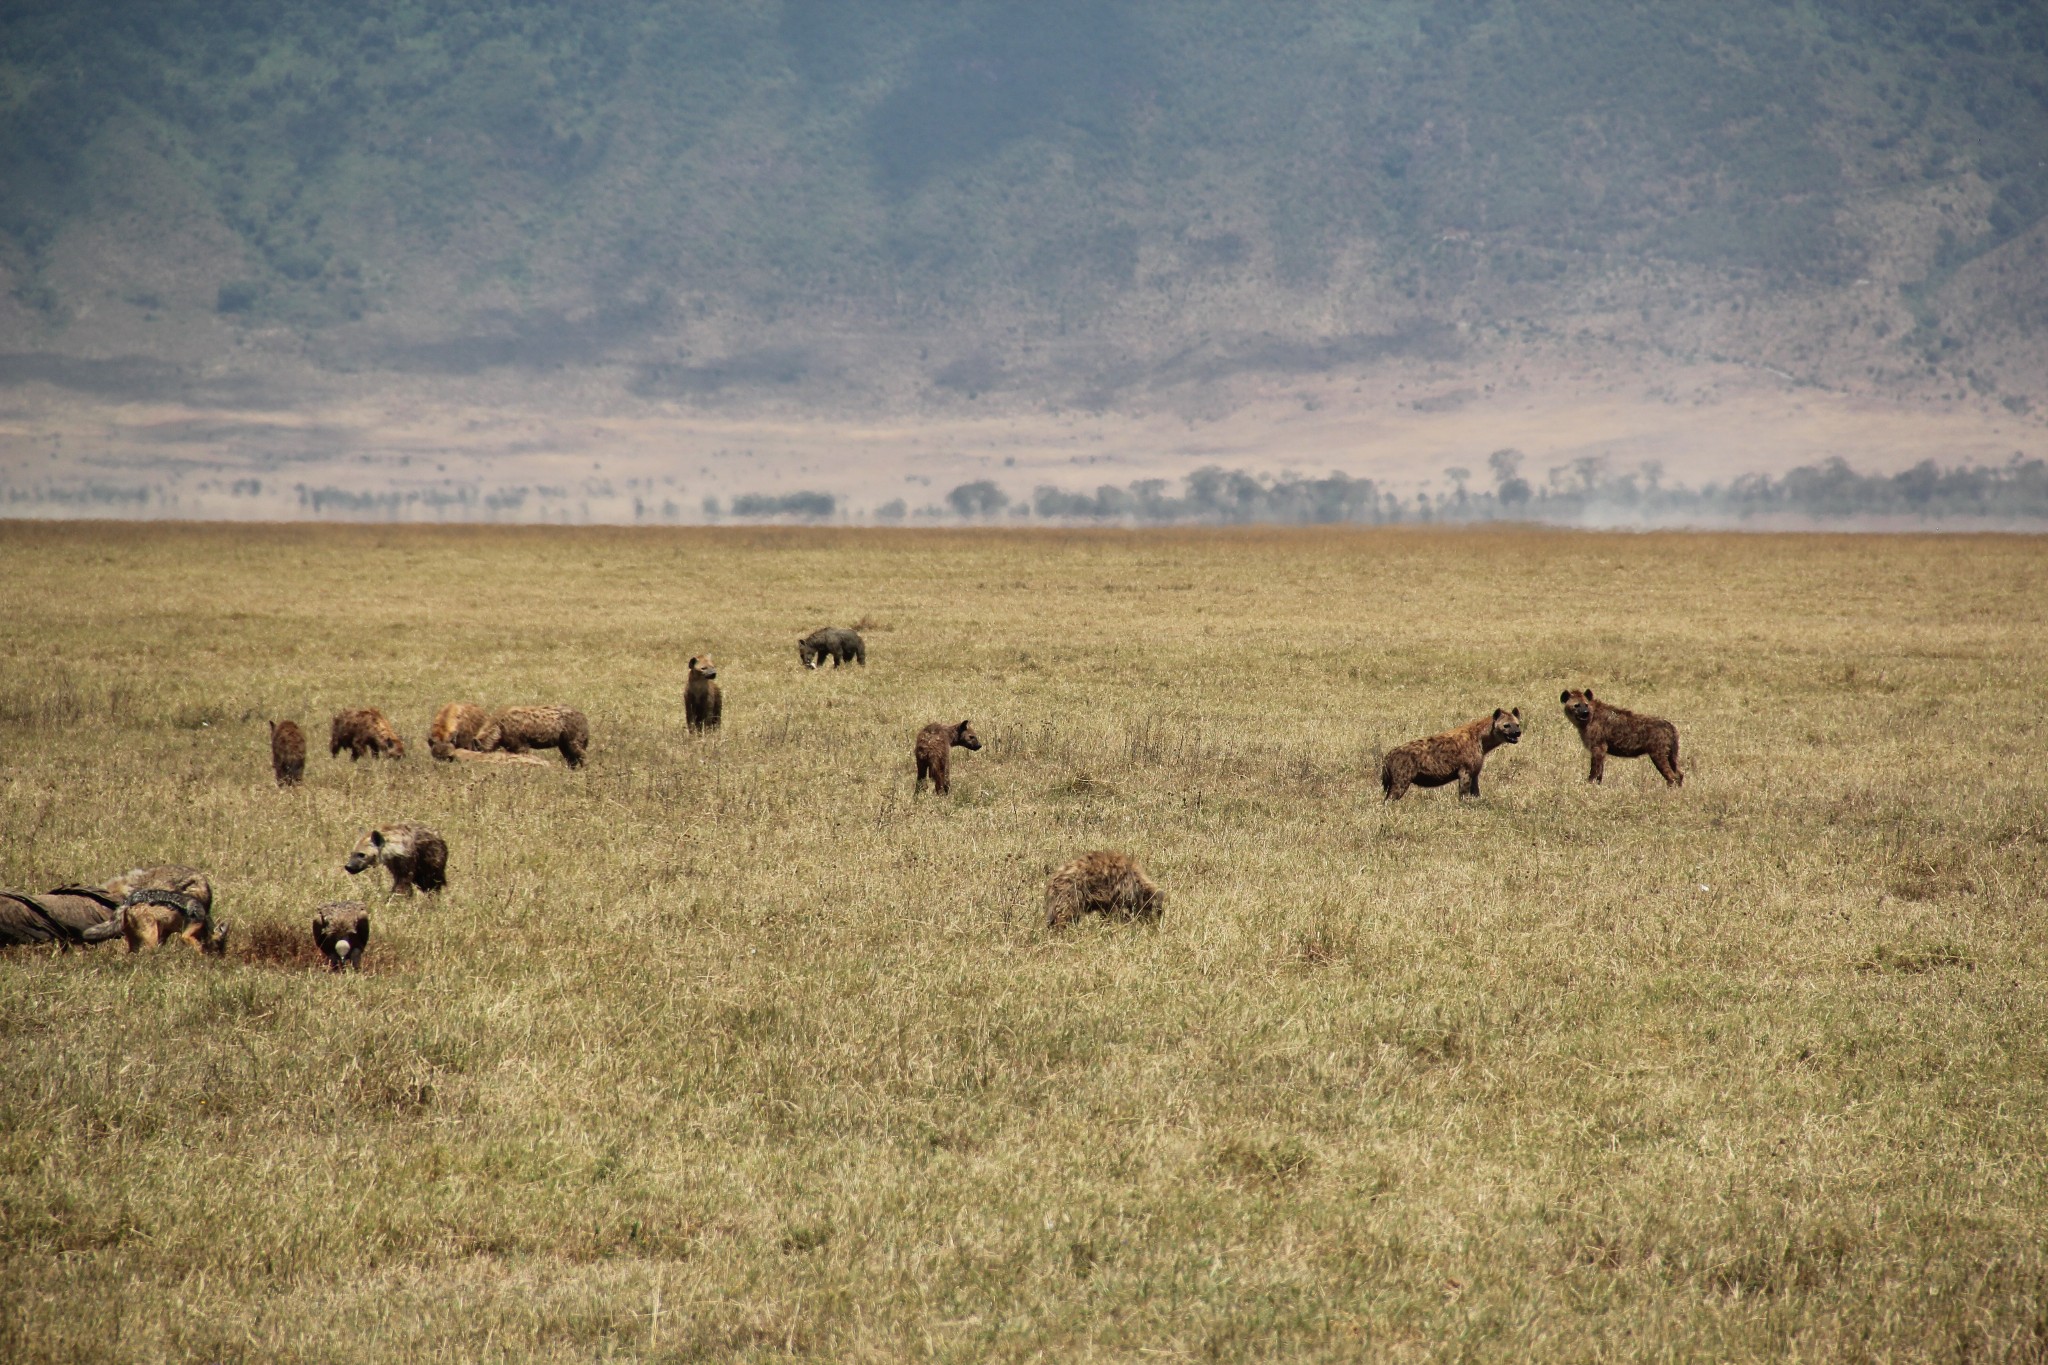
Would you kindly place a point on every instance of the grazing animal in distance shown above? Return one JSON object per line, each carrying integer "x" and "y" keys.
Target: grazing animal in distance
{"x": 1605, "y": 730}
{"x": 1102, "y": 883}
{"x": 515, "y": 729}
{"x": 150, "y": 917}
{"x": 456, "y": 726}
{"x": 835, "y": 643}
{"x": 341, "y": 931}
{"x": 413, "y": 854}
{"x": 703, "y": 704}
{"x": 364, "y": 730}
{"x": 287, "y": 752}
{"x": 934, "y": 748}
{"x": 1453, "y": 756}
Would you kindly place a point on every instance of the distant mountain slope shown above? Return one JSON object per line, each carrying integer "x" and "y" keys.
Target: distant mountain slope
{"x": 693, "y": 194}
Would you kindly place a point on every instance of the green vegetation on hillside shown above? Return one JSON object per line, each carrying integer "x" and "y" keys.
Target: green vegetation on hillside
{"x": 589, "y": 174}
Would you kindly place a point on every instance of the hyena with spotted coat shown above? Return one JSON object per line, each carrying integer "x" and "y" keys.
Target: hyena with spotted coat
{"x": 414, "y": 855}
{"x": 1453, "y": 756}
{"x": 456, "y": 726}
{"x": 287, "y": 752}
{"x": 515, "y": 729}
{"x": 934, "y": 749}
{"x": 363, "y": 730}
{"x": 1605, "y": 730}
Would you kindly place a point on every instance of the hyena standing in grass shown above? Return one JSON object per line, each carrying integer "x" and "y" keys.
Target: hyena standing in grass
{"x": 363, "y": 730}
{"x": 287, "y": 752}
{"x": 703, "y": 704}
{"x": 1453, "y": 756}
{"x": 934, "y": 748}
{"x": 516, "y": 729}
{"x": 1605, "y": 730}
{"x": 413, "y": 854}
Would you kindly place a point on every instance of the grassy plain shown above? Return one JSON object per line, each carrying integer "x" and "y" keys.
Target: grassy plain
{"x": 733, "y": 1049}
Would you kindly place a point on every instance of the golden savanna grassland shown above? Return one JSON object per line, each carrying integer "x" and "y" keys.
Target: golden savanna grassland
{"x": 731, "y": 1048}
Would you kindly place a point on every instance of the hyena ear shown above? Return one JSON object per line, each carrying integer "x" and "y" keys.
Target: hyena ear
{"x": 1589, "y": 694}
{"x": 1516, "y": 713}
{"x": 1565, "y": 695}
{"x": 963, "y": 725}
{"x": 1498, "y": 713}
{"x": 377, "y": 838}
{"x": 693, "y": 661}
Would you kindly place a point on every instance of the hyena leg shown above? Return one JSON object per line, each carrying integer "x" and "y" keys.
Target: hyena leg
{"x": 1667, "y": 767}
{"x": 924, "y": 770}
{"x": 1599, "y": 769}
{"x": 401, "y": 883}
{"x": 1468, "y": 782}
{"x": 940, "y": 783}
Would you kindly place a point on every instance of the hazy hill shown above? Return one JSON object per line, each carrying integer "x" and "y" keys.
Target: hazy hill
{"x": 709, "y": 194}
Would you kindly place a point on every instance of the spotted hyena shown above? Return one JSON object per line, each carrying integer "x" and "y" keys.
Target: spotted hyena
{"x": 414, "y": 855}
{"x": 515, "y": 729}
{"x": 363, "y": 730}
{"x": 287, "y": 752}
{"x": 456, "y": 726}
{"x": 1605, "y": 730}
{"x": 835, "y": 643}
{"x": 1102, "y": 883}
{"x": 1453, "y": 756}
{"x": 935, "y": 744}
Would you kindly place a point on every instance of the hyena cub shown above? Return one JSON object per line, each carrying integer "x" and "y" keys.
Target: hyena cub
{"x": 1605, "y": 730}
{"x": 413, "y": 854}
{"x": 287, "y": 752}
{"x": 702, "y": 702}
{"x": 1453, "y": 756}
{"x": 363, "y": 730}
{"x": 1102, "y": 883}
{"x": 934, "y": 748}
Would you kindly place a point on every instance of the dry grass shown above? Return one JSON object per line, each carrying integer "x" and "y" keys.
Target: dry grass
{"x": 740, "y": 1029}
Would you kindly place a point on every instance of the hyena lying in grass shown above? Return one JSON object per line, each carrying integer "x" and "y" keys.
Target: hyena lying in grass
{"x": 1102, "y": 883}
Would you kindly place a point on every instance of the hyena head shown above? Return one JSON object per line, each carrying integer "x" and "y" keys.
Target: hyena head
{"x": 964, "y": 736}
{"x": 216, "y": 944}
{"x": 811, "y": 655}
{"x": 1507, "y": 726}
{"x": 702, "y": 667}
{"x": 370, "y": 850}
{"x": 1578, "y": 705}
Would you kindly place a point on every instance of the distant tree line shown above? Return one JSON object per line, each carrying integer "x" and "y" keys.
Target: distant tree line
{"x": 1584, "y": 490}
